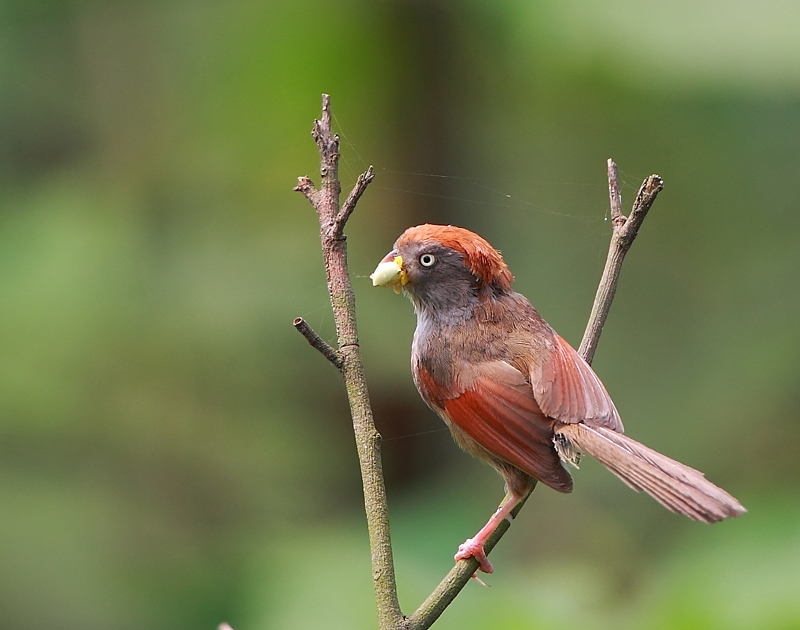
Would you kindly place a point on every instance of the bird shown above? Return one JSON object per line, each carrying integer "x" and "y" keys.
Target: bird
{"x": 514, "y": 393}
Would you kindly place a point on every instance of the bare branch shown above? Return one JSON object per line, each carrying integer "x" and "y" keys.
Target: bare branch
{"x": 614, "y": 196}
{"x": 327, "y": 141}
{"x": 306, "y": 186}
{"x": 647, "y": 194}
{"x": 334, "y": 249}
{"x": 318, "y": 342}
{"x": 352, "y": 199}
{"x": 625, "y": 231}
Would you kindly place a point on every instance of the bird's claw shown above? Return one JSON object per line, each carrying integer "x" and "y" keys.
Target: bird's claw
{"x": 471, "y": 548}
{"x": 479, "y": 581}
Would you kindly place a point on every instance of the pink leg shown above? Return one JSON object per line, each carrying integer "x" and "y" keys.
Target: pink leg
{"x": 473, "y": 547}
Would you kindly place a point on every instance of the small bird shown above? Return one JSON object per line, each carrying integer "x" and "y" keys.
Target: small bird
{"x": 514, "y": 393}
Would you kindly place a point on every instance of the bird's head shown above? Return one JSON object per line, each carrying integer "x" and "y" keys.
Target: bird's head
{"x": 442, "y": 266}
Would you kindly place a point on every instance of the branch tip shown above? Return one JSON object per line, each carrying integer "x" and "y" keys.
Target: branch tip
{"x": 306, "y": 186}
{"x": 326, "y": 111}
{"x": 318, "y": 342}
{"x": 614, "y": 195}
{"x": 647, "y": 194}
{"x": 352, "y": 199}
{"x": 327, "y": 141}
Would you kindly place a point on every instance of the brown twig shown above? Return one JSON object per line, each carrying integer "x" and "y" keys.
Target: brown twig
{"x": 625, "y": 230}
{"x": 352, "y": 199}
{"x": 347, "y": 358}
{"x": 332, "y": 221}
{"x": 318, "y": 342}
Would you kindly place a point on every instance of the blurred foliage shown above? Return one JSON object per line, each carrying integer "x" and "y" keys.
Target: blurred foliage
{"x": 173, "y": 455}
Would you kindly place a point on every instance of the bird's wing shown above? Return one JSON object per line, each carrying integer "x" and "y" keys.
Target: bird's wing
{"x": 494, "y": 405}
{"x": 567, "y": 389}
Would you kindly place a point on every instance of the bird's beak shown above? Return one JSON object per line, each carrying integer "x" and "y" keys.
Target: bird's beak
{"x": 390, "y": 272}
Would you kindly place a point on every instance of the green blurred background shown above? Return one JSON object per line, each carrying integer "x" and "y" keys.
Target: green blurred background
{"x": 174, "y": 455}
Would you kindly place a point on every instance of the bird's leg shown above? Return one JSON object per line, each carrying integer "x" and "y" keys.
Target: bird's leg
{"x": 473, "y": 547}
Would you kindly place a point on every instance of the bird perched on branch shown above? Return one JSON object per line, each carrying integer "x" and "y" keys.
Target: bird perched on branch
{"x": 513, "y": 393}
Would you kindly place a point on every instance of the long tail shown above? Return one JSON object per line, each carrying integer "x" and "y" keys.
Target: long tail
{"x": 674, "y": 485}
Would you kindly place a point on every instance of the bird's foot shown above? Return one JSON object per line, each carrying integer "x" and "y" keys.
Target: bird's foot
{"x": 472, "y": 548}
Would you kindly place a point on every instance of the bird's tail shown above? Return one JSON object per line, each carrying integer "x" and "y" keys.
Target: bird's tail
{"x": 674, "y": 485}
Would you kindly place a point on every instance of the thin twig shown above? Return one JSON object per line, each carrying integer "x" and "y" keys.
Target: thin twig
{"x": 614, "y": 196}
{"x": 318, "y": 342}
{"x": 352, "y": 199}
{"x": 647, "y": 194}
{"x": 334, "y": 249}
{"x": 306, "y": 186}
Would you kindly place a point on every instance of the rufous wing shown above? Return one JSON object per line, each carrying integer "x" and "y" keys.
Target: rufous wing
{"x": 494, "y": 405}
{"x": 567, "y": 389}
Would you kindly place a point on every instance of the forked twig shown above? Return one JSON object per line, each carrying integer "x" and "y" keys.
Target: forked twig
{"x": 625, "y": 230}
{"x": 347, "y": 356}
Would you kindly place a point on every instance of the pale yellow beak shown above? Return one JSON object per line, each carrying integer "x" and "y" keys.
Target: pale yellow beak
{"x": 390, "y": 273}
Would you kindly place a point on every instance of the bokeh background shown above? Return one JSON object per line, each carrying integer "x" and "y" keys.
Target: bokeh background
{"x": 174, "y": 455}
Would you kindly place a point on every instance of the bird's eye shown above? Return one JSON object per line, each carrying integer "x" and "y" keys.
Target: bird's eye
{"x": 427, "y": 260}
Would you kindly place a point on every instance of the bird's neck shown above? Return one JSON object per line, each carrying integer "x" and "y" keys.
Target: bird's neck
{"x": 437, "y": 316}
